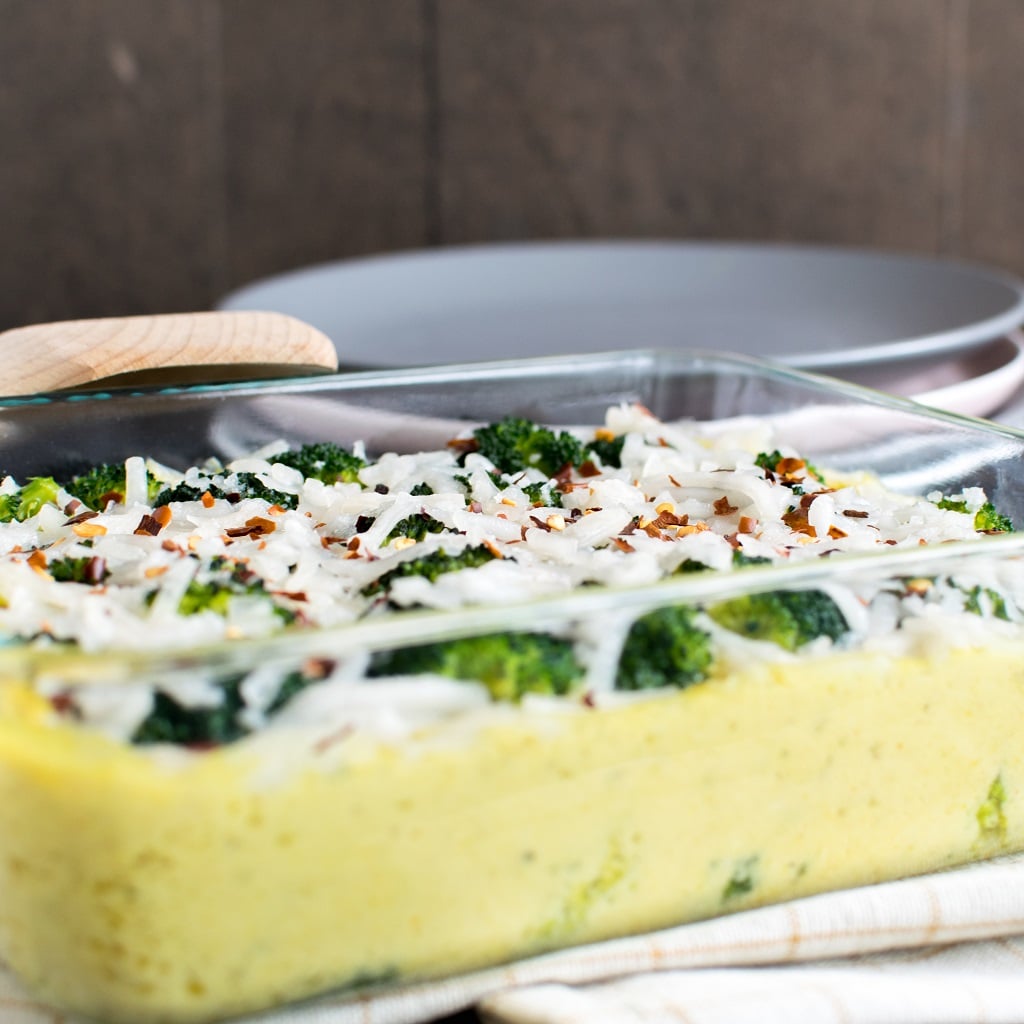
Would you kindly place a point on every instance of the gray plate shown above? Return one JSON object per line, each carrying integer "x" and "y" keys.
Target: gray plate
{"x": 814, "y": 307}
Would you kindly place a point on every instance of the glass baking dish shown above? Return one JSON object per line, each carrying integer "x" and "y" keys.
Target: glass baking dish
{"x": 161, "y": 884}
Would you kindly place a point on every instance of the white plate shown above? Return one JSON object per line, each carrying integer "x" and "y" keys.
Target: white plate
{"x": 978, "y": 382}
{"x": 811, "y": 307}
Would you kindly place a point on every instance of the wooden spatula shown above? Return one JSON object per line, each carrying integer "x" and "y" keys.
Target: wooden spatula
{"x": 175, "y": 348}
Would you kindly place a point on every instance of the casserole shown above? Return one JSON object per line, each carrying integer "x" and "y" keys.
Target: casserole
{"x": 171, "y": 884}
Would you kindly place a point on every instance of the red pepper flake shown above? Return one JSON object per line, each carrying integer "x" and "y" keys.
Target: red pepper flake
{"x": 292, "y": 595}
{"x": 476, "y": 507}
{"x": 318, "y": 668}
{"x": 540, "y": 524}
{"x": 72, "y": 507}
{"x": 323, "y": 745}
{"x": 37, "y": 561}
{"x": 207, "y": 499}
{"x": 169, "y": 545}
{"x": 255, "y": 527}
{"x": 588, "y": 700}
{"x": 724, "y": 507}
{"x": 748, "y": 524}
{"x": 588, "y": 469}
{"x": 673, "y": 481}
{"x": 64, "y": 704}
{"x": 493, "y": 548}
{"x": 790, "y": 467}
{"x": 623, "y": 545}
{"x": 853, "y": 513}
{"x": 666, "y": 519}
{"x": 836, "y": 534}
{"x": 96, "y": 569}
{"x": 82, "y": 517}
{"x": 148, "y": 527}
{"x": 796, "y": 520}
{"x": 278, "y": 510}
{"x": 630, "y": 528}
{"x": 563, "y": 478}
{"x": 353, "y": 544}
{"x": 464, "y": 445}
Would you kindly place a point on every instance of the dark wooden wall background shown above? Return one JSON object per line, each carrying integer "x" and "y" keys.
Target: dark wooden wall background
{"x": 158, "y": 152}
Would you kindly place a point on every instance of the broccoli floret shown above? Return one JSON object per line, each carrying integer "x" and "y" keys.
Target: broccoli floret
{"x": 952, "y": 506}
{"x": 430, "y": 566}
{"x": 516, "y": 444}
{"x": 78, "y": 570}
{"x": 664, "y": 648}
{"x": 789, "y": 618}
{"x": 416, "y": 527}
{"x": 508, "y": 664}
{"x": 171, "y": 722}
{"x": 99, "y": 486}
{"x": 789, "y": 470}
{"x": 741, "y": 560}
{"x": 689, "y": 565}
{"x": 995, "y": 602}
{"x": 986, "y": 519}
{"x": 180, "y": 492}
{"x": 542, "y": 493}
{"x": 29, "y": 500}
{"x": 231, "y": 580}
{"x": 991, "y": 815}
{"x": 324, "y": 461}
{"x": 609, "y": 451}
{"x": 104, "y": 483}
{"x": 206, "y": 597}
{"x": 768, "y": 460}
{"x": 249, "y": 486}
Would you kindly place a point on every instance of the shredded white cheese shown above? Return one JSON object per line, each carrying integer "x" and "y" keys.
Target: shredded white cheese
{"x": 305, "y": 553}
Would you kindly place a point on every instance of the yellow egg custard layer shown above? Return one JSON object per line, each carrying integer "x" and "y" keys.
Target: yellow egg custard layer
{"x": 140, "y": 890}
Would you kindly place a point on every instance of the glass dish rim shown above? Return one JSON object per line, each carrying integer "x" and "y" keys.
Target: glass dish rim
{"x": 376, "y": 633}
{"x": 699, "y": 358}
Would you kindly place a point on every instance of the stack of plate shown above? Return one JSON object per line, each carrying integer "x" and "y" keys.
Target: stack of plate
{"x": 943, "y": 332}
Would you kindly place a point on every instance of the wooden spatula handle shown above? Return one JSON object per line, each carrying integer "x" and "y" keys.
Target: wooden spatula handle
{"x": 73, "y": 353}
